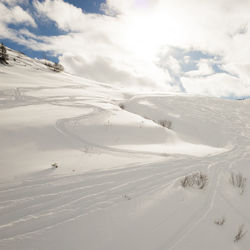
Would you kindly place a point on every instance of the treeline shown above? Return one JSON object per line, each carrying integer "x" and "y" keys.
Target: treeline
{"x": 4, "y": 57}
{"x": 57, "y": 67}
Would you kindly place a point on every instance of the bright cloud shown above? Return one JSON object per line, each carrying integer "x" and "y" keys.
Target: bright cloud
{"x": 11, "y": 13}
{"x": 220, "y": 85}
{"x": 194, "y": 46}
{"x": 66, "y": 16}
{"x": 204, "y": 68}
{"x": 15, "y": 15}
{"x": 15, "y": 2}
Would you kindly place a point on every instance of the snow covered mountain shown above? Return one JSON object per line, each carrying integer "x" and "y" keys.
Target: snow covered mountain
{"x": 87, "y": 165}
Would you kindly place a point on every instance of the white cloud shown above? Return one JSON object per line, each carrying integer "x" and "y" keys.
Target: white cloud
{"x": 66, "y": 16}
{"x": 173, "y": 65}
{"x": 204, "y": 68}
{"x": 219, "y": 84}
{"x": 15, "y": 15}
{"x": 15, "y": 2}
{"x": 107, "y": 70}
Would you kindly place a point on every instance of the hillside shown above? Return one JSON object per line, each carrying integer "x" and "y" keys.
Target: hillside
{"x": 87, "y": 165}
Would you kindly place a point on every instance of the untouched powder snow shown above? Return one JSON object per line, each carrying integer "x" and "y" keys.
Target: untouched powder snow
{"x": 122, "y": 159}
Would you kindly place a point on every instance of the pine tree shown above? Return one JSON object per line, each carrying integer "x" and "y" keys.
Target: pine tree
{"x": 3, "y": 54}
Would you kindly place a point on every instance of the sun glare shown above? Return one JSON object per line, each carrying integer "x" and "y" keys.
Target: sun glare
{"x": 147, "y": 33}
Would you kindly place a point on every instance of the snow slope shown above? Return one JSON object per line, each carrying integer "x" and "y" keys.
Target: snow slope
{"x": 121, "y": 157}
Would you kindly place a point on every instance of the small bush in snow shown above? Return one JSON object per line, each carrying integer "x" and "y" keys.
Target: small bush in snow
{"x": 196, "y": 180}
{"x": 54, "y": 165}
{"x": 165, "y": 123}
{"x": 127, "y": 197}
{"x": 57, "y": 67}
{"x": 220, "y": 222}
{"x": 238, "y": 181}
{"x": 122, "y": 106}
{"x": 239, "y": 234}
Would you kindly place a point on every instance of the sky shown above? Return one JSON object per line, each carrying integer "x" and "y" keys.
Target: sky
{"x": 190, "y": 46}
